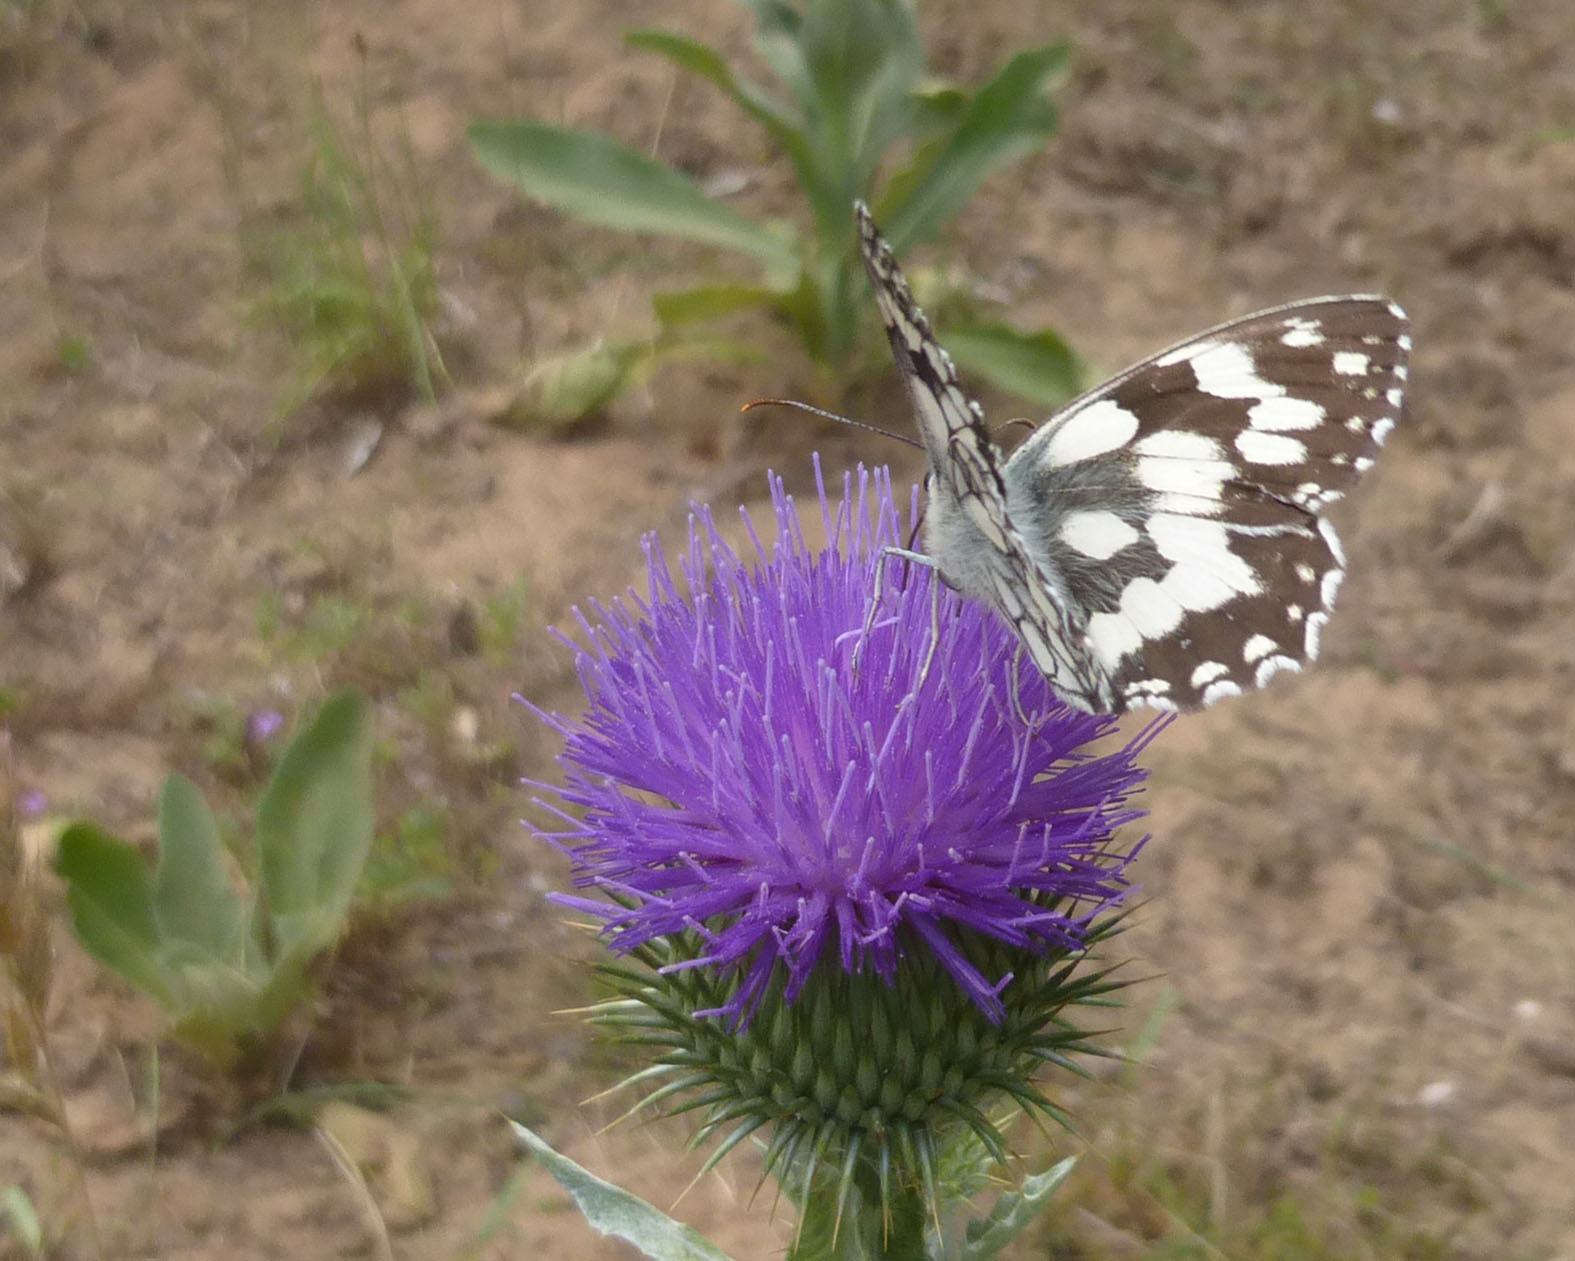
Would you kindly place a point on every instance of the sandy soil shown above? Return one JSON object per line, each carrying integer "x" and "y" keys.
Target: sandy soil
{"x": 1359, "y": 926}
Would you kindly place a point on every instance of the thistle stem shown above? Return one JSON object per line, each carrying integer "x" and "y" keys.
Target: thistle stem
{"x": 856, "y": 1229}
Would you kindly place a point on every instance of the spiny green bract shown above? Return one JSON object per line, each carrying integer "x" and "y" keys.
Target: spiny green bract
{"x": 858, "y": 1080}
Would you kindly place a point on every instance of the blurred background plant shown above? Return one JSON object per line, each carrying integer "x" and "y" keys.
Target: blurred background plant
{"x": 25, "y": 957}
{"x": 228, "y": 970}
{"x": 344, "y": 272}
{"x": 27, "y": 1076}
{"x": 19, "y": 1222}
{"x": 855, "y": 107}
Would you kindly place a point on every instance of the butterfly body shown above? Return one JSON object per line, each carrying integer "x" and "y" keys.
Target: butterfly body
{"x": 1160, "y": 540}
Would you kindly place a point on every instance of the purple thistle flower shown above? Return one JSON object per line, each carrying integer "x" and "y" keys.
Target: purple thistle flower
{"x": 735, "y": 779}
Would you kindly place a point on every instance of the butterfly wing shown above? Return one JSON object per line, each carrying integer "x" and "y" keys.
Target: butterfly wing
{"x": 1180, "y": 504}
{"x": 969, "y": 533}
{"x": 1161, "y": 540}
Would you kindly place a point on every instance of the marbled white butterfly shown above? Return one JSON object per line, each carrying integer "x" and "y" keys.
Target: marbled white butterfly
{"x": 1160, "y": 540}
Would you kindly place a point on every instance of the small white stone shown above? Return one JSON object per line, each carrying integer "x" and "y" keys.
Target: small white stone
{"x": 1387, "y": 110}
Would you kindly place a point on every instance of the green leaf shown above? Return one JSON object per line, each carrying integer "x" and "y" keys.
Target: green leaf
{"x": 23, "y": 1225}
{"x": 600, "y": 181}
{"x": 777, "y": 32}
{"x": 1008, "y": 118}
{"x": 867, "y": 62}
{"x": 614, "y": 1211}
{"x": 1014, "y": 1211}
{"x": 314, "y": 825}
{"x": 110, "y": 898}
{"x": 1039, "y": 367}
{"x": 708, "y": 302}
{"x": 561, "y": 389}
{"x": 754, "y": 100}
{"x": 940, "y": 105}
{"x": 864, "y": 61}
{"x": 192, "y": 896}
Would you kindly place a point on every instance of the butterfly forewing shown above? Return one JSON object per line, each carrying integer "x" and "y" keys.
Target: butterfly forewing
{"x": 940, "y": 408}
{"x": 974, "y": 543}
{"x": 1159, "y": 541}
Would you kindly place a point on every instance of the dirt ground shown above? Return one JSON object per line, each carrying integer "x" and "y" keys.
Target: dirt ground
{"x": 1362, "y": 1006}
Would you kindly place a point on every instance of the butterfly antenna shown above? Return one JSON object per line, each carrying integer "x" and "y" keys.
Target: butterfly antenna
{"x": 818, "y": 411}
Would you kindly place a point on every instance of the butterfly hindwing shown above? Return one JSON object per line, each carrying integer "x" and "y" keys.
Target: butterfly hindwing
{"x": 1182, "y": 500}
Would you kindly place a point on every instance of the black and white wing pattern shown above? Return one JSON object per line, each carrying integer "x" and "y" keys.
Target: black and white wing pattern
{"x": 1160, "y": 541}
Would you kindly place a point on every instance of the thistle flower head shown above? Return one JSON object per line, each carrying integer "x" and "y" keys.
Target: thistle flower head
{"x": 741, "y": 781}
{"x": 777, "y": 836}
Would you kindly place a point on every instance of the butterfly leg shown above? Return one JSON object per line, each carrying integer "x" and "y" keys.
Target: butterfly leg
{"x": 917, "y": 558}
{"x": 935, "y": 626}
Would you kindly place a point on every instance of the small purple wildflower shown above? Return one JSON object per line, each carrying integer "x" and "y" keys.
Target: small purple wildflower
{"x": 734, "y": 778}
{"x": 32, "y": 803}
{"x": 263, "y": 725}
